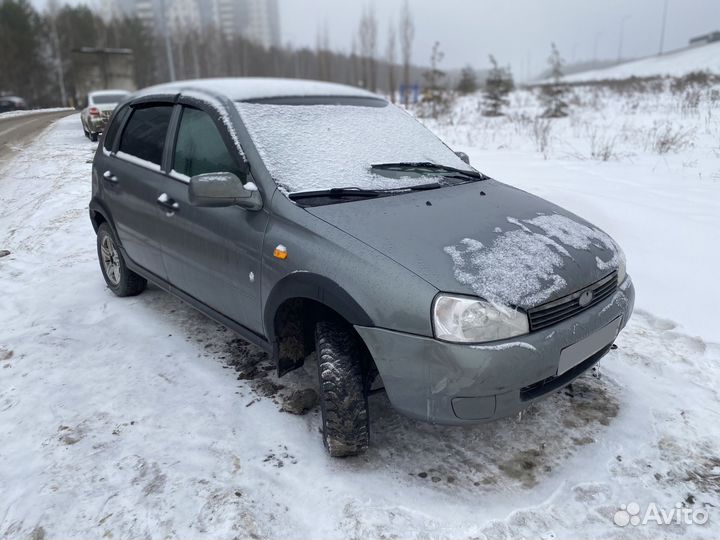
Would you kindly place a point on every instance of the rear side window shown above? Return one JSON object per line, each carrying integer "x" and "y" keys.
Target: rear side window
{"x": 200, "y": 148}
{"x": 113, "y": 128}
{"x": 144, "y": 134}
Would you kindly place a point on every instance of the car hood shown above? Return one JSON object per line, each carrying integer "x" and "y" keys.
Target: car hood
{"x": 483, "y": 238}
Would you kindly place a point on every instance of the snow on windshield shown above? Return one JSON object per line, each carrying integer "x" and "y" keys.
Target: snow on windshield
{"x": 310, "y": 147}
{"x": 521, "y": 266}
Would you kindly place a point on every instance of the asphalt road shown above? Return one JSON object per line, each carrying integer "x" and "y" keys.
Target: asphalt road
{"x": 15, "y": 131}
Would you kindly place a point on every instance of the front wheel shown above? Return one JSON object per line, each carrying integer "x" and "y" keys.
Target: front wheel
{"x": 343, "y": 389}
{"x": 119, "y": 278}
{"x": 93, "y": 136}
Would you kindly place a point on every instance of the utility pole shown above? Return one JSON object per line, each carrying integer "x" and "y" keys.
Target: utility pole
{"x": 662, "y": 30}
{"x": 622, "y": 34}
{"x": 53, "y": 11}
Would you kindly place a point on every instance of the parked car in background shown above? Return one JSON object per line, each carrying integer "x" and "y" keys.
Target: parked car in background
{"x": 12, "y": 103}
{"x": 314, "y": 216}
{"x": 99, "y": 107}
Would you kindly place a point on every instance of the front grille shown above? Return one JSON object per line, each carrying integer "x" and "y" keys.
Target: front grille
{"x": 569, "y": 306}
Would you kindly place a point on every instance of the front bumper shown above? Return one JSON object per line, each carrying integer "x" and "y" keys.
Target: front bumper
{"x": 449, "y": 383}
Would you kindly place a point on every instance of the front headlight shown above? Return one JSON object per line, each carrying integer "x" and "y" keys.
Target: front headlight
{"x": 622, "y": 271}
{"x": 471, "y": 320}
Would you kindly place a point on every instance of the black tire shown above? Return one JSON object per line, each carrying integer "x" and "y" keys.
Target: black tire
{"x": 119, "y": 278}
{"x": 343, "y": 389}
{"x": 93, "y": 136}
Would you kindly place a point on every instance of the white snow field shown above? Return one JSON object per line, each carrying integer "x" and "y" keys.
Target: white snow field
{"x": 125, "y": 418}
{"x": 674, "y": 64}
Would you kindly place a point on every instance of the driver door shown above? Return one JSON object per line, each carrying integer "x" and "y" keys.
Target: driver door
{"x": 212, "y": 254}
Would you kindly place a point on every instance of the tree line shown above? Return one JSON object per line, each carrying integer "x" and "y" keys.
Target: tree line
{"x": 36, "y": 58}
{"x": 36, "y": 53}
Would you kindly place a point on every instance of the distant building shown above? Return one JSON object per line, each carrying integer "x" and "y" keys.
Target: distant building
{"x": 705, "y": 39}
{"x": 256, "y": 20}
{"x": 183, "y": 16}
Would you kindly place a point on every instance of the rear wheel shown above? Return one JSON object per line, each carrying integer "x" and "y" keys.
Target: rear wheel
{"x": 119, "y": 278}
{"x": 343, "y": 389}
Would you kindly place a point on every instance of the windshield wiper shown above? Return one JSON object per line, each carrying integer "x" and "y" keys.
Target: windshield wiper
{"x": 336, "y": 192}
{"x": 403, "y": 166}
{"x": 361, "y": 193}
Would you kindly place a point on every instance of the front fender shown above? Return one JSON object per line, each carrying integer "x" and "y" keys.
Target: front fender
{"x": 312, "y": 286}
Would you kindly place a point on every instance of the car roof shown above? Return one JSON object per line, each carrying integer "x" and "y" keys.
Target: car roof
{"x": 108, "y": 92}
{"x": 251, "y": 88}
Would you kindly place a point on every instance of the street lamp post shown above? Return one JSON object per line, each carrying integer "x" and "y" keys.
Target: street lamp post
{"x": 662, "y": 30}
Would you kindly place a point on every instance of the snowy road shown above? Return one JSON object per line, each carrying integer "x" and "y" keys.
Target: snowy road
{"x": 17, "y": 127}
{"x": 125, "y": 417}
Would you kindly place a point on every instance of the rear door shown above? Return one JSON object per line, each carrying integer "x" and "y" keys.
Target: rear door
{"x": 133, "y": 182}
{"x": 212, "y": 254}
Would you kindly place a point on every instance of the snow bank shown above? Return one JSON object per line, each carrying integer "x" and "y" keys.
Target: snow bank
{"x": 675, "y": 64}
{"x": 13, "y": 114}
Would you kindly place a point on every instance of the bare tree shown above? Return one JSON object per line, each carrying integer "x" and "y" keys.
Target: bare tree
{"x": 354, "y": 69}
{"x": 323, "y": 53}
{"x": 367, "y": 33}
{"x": 391, "y": 46}
{"x": 407, "y": 36}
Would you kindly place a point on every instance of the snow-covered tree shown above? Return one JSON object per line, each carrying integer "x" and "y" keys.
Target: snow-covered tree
{"x": 436, "y": 99}
{"x": 553, "y": 94}
{"x": 468, "y": 81}
{"x": 498, "y": 85}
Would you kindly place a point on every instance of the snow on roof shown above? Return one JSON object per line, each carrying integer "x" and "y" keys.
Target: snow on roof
{"x": 676, "y": 64}
{"x": 108, "y": 92}
{"x": 246, "y": 88}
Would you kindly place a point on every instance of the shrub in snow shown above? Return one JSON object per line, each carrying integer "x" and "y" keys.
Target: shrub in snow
{"x": 664, "y": 138}
{"x": 498, "y": 85}
{"x": 541, "y": 131}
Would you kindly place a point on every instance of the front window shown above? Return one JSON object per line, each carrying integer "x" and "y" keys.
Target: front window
{"x": 323, "y": 146}
{"x": 200, "y": 148}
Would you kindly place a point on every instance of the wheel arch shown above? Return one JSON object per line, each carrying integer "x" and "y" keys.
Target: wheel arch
{"x": 293, "y": 307}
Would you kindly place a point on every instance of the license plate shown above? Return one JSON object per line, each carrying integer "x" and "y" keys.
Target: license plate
{"x": 582, "y": 350}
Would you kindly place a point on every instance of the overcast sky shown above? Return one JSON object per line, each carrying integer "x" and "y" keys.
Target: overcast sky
{"x": 517, "y": 32}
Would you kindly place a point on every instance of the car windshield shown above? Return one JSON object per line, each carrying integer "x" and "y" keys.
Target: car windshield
{"x": 320, "y": 146}
{"x": 105, "y": 99}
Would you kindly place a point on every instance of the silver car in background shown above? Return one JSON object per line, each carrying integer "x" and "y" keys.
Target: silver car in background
{"x": 99, "y": 107}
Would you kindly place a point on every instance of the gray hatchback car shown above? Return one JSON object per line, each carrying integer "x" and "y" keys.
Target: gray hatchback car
{"x": 309, "y": 216}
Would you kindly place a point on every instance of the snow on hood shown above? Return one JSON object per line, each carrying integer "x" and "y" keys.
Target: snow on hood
{"x": 461, "y": 240}
{"x": 525, "y": 262}
{"x": 311, "y": 147}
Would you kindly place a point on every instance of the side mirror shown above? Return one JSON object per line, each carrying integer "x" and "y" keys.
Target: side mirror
{"x": 463, "y": 156}
{"x": 216, "y": 190}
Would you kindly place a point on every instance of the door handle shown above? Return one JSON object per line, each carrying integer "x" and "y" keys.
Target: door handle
{"x": 110, "y": 177}
{"x": 167, "y": 203}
